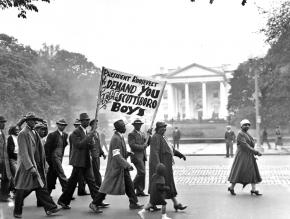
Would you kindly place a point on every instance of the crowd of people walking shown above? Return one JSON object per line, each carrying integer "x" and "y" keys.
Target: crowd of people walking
{"x": 31, "y": 160}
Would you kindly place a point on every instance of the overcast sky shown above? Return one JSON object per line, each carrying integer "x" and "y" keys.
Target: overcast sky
{"x": 140, "y": 36}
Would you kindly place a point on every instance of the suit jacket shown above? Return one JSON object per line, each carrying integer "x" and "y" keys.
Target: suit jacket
{"x": 11, "y": 148}
{"x": 114, "y": 182}
{"x": 137, "y": 144}
{"x": 28, "y": 144}
{"x": 80, "y": 146}
{"x": 96, "y": 148}
{"x": 52, "y": 141}
{"x": 5, "y": 159}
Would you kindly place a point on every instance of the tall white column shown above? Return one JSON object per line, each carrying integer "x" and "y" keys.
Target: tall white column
{"x": 204, "y": 107}
{"x": 223, "y": 105}
{"x": 187, "y": 105}
{"x": 171, "y": 101}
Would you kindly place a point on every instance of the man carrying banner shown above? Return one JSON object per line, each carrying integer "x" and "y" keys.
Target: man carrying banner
{"x": 138, "y": 145}
{"x": 117, "y": 179}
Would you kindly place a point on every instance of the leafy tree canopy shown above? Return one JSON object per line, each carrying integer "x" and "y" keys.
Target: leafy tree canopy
{"x": 22, "y": 5}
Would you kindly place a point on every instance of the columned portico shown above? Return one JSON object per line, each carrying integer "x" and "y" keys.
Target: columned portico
{"x": 195, "y": 92}
{"x": 187, "y": 105}
{"x": 204, "y": 107}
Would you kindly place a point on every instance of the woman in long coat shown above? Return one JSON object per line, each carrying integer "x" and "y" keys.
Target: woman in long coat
{"x": 161, "y": 151}
{"x": 245, "y": 169}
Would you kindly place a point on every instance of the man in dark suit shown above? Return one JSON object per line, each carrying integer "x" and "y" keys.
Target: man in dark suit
{"x": 81, "y": 181}
{"x": 230, "y": 138}
{"x": 54, "y": 149}
{"x": 176, "y": 138}
{"x": 80, "y": 160}
{"x": 138, "y": 145}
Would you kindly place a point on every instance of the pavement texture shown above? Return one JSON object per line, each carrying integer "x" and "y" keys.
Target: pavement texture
{"x": 201, "y": 183}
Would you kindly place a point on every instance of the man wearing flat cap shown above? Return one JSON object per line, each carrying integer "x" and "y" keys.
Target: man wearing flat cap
{"x": 138, "y": 145}
{"x": 4, "y": 164}
{"x": 54, "y": 149}
{"x": 117, "y": 180}
{"x": 31, "y": 170}
{"x": 80, "y": 160}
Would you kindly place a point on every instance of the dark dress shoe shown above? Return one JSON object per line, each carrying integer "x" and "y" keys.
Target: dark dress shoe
{"x": 4, "y": 200}
{"x": 135, "y": 206}
{"x": 63, "y": 205}
{"x": 103, "y": 205}
{"x": 179, "y": 207}
{"x": 232, "y": 191}
{"x": 17, "y": 215}
{"x": 83, "y": 193}
{"x": 257, "y": 193}
{"x": 141, "y": 194}
{"x": 95, "y": 208}
{"x": 154, "y": 208}
{"x": 52, "y": 211}
{"x": 72, "y": 198}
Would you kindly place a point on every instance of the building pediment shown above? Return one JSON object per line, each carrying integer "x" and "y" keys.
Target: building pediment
{"x": 194, "y": 70}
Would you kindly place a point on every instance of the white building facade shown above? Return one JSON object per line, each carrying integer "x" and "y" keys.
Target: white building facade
{"x": 195, "y": 92}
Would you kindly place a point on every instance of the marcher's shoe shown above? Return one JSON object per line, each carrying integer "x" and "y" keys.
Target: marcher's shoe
{"x": 63, "y": 205}
{"x": 135, "y": 206}
{"x": 164, "y": 216}
{"x": 154, "y": 208}
{"x": 103, "y": 205}
{"x": 232, "y": 191}
{"x": 5, "y": 199}
{"x": 179, "y": 207}
{"x": 83, "y": 193}
{"x": 255, "y": 192}
{"x": 17, "y": 215}
{"x": 95, "y": 208}
{"x": 52, "y": 211}
{"x": 72, "y": 198}
{"x": 141, "y": 213}
{"x": 141, "y": 194}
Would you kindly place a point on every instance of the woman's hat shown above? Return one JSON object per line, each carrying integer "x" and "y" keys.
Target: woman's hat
{"x": 40, "y": 126}
{"x": 245, "y": 121}
{"x": 61, "y": 122}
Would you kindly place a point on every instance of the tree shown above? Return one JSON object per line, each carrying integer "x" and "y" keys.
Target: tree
{"x": 22, "y": 5}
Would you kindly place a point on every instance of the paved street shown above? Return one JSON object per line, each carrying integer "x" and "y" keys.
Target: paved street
{"x": 202, "y": 185}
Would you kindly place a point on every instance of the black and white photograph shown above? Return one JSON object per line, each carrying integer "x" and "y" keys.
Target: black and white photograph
{"x": 145, "y": 109}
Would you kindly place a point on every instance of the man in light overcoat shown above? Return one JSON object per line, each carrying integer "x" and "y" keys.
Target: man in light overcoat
{"x": 31, "y": 169}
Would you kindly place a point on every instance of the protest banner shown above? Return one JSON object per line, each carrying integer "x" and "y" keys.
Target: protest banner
{"x": 129, "y": 95}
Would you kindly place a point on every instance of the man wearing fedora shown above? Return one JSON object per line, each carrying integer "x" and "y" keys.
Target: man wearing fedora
{"x": 31, "y": 170}
{"x": 117, "y": 180}
{"x": 81, "y": 181}
{"x": 54, "y": 149}
{"x": 5, "y": 171}
{"x": 80, "y": 160}
{"x": 138, "y": 145}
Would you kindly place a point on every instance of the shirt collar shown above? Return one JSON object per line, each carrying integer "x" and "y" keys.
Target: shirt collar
{"x": 85, "y": 130}
{"x": 120, "y": 134}
{"x": 61, "y": 133}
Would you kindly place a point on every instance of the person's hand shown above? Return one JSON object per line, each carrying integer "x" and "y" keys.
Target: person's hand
{"x": 183, "y": 157}
{"x": 130, "y": 168}
{"x": 149, "y": 131}
{"x": 33, "y": 172}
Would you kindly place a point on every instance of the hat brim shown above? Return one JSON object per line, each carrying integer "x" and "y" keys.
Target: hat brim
{"x": 60, "y": 123}
{"x": 137, "y": 123}
{"x": 3, "y": 120}
{"x": 34, "y": 119}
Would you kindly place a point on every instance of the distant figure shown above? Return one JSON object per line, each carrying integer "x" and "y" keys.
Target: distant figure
{"x": 278, "y": 140}
{"x": 245, "y": 169}
{"x": 265, "y": 138}
{"x": 230, "y": 138}
{"x": 176, "y": 137}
